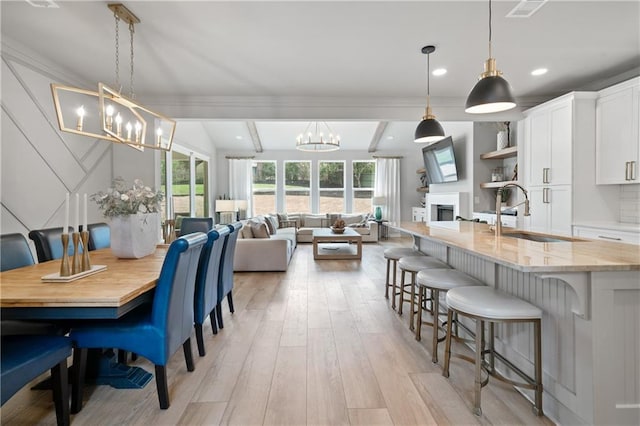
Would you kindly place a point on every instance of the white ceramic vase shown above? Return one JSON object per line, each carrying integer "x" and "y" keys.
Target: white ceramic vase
{"x": 134, "y": 236}
{"x": 502, "y": 140}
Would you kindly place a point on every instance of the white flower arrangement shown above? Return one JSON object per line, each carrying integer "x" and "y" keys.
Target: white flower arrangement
{"x": 122, "y": 199}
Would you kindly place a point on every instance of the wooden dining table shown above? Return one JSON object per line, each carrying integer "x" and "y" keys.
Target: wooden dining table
{"x": 109, "y": 294}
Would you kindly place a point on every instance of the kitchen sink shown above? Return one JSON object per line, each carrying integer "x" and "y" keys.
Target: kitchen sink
{"x": 540, "y": 238}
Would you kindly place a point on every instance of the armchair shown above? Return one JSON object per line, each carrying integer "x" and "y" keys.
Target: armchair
{"x": 154, "y": 332}
{"x": 195, "y": 224}
{"x": 48, "y": 243}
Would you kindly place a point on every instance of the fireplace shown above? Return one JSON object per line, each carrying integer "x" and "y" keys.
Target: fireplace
{"x": 443, "y": 207}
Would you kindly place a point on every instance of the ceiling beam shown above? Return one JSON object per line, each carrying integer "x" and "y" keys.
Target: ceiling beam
{"x": 377, "y": 135}
{"x": 255, "y": 137}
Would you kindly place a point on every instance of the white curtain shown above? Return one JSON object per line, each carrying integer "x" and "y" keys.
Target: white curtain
{"x": 241, "y": 182}
{"x": 388, "y": 186}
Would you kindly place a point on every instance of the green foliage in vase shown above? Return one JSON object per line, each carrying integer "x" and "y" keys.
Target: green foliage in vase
{"x": 124, "y": 199}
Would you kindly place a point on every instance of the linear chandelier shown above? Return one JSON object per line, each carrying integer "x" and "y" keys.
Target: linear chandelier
{"x": 318, "y": 137}
{"x": 107, "y": 114}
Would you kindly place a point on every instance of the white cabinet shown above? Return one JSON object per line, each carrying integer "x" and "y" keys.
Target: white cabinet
{"x": 617, "y": 134}
{"x": 549, "y": 150}
{"x": 550, "y": 208}
{"x": 418, "y": 214}
{"x": 606, "y": 234}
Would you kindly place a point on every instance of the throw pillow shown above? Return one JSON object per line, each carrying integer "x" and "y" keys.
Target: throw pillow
{"x": 245, "y": 231}
{"x": 281, "y": 218}
{"x": 272, "y": 224}
{"x": 259, "y": 230}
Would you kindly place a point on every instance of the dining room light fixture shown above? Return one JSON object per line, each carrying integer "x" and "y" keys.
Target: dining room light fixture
{"x": 429, "y": 130}
{"x": 318, "y": 137}
{"x": 107, "y": 114}
{"x": 492, "y": 93}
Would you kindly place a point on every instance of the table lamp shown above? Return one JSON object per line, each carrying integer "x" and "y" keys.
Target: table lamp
{"x": 241, "y": 208}
{"x": 378, "y": 202}
{"x": 226, "y": 209}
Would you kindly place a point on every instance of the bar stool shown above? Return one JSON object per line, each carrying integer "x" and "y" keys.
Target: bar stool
{"x": 494, "y": 306}
{"x": 393, "y": 255}
{"x": 438, "y": 281}
{"x": 413, "y": 265}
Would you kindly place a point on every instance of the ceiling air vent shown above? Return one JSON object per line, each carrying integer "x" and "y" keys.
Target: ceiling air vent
{"x": 526, "y": 8}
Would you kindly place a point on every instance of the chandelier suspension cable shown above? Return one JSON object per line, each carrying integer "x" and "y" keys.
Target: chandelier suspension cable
{"x": 132, "y": 92}
{"x": 117, "y": 51}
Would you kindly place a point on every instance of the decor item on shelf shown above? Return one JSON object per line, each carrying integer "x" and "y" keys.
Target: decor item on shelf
{"x": 429, "y": 130}
{"x": 503, "y": 139}
{"x": 497, "y": 174}
{"x": 134, "y": 212}
{"x": 227, "y": 210}
{"x": 378, "y": 202}
{"x": 338, "y": 226}
{"x": 492, "y": 93}
{"x": 313, "y": 138}
{"x": 241, "y": 207}
{"x": 108, "y": 115}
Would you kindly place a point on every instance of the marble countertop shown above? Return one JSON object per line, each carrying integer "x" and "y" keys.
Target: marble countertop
{"x": 528, "y": 256}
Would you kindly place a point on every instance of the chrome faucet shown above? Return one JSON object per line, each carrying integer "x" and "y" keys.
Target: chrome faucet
{"x": 498, "y": 228}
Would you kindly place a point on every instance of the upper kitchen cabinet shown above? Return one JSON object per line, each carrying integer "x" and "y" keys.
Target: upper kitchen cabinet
{"x": 550, "y": 134}
{"x": 617, "y": 133}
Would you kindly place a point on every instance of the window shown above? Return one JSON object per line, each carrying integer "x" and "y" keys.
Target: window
{"x": 297, "y": 186}
{"x": 331, "y": 185}
{"x": 188, "y": 174}
{"x": 364, "y": 173}
{"x": 264, "y": 187}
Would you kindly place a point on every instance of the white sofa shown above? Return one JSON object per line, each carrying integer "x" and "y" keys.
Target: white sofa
{"x": 307, "y": 222}
{"x": 265, "y": 254}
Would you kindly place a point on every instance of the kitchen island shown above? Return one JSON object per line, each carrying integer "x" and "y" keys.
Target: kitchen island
{"x": 589, "y": 292}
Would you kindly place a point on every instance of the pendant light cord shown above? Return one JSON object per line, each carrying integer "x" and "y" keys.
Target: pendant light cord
{"x": 490, "y": 28}
{"x": 428, "y": 80}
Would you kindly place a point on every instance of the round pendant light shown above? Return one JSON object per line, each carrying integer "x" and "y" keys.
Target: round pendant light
{"x": 492, "y": 93}
{"x": 429, "y": 130}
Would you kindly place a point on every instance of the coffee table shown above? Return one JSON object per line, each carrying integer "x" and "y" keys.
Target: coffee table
{"x": 340, "y": 251}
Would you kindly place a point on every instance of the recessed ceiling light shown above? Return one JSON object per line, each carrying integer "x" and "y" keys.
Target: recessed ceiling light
{"x": 390, "y": 138}
{"x": 238, "y": 137}
{"x": 539, "y": 71}
{"x": 42, "y": 3}
{"x": 439, "y": 71}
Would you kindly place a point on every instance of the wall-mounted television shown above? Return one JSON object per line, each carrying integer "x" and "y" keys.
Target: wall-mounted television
{"x": 440, "y": 162}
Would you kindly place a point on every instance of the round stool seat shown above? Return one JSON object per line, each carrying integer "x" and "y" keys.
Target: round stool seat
{"x": 396, "y": 253}
{"x": 488, "y": 302}
{"x": 418, "y": 263}
{"x": 445, "y": 279}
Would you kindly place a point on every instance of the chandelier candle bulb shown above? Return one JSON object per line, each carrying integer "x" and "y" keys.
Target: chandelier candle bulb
{"x": 119, "y": 125}
{"x": 80, "y": 111}
{"x": 110, "y": 118}
{"x": 129, "y": 127}
{"x": 138, "y": 128}
{"x": 159, "y": 136}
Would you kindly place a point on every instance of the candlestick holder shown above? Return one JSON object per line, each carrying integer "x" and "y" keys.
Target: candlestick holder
{"x": 86, "y": 262}
{"x": 75, "y": 261}
{"x": 65, "y": 271}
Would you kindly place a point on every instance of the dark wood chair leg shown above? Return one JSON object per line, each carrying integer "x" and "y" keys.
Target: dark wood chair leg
{"x": 230, "y": 300}
{"x": 188, "y": 356}
{"x": 161, "y": 385}
{"x": 212, "y": 318}
{"x": 79, "y": 370}
{"x": 200, "y": 340}
{"x": 60, "y": 387}
{"x": 219, "y": 315}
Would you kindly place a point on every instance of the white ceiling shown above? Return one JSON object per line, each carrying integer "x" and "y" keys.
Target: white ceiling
{"x": 286, "y": 59}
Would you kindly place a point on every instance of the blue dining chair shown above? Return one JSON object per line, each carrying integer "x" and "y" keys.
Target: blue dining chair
{"x": 23, "y": 358}
{"x": 206, "y": 295}
{"x": 195, "y": 224}
{"x": 225, "y": 281}
{"x": 15, "y": 253}
{"x": 99, "y": 236}
{"x": 48, "y": 243}
{"x": 153, "y": 331}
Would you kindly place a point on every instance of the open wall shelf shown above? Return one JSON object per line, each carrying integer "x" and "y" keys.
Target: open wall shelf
{"x": 487, "y": 185}
{"x": 512, "y": 151}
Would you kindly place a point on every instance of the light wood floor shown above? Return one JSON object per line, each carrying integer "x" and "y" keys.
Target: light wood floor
{"x": 316, "y": 345}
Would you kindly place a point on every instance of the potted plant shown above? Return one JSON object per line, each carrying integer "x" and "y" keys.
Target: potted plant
{"x": 134, "y": 213}
{"x": 338, "y": 226}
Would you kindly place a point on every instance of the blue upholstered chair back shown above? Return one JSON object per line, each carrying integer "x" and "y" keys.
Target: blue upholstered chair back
{"x": 173, "y": 299}
{"x": 195, "y": 224}
{"x": 225, "y": 283}
{"x": 206, "y": 296}
{"x": 14, "y": 252}
{"x": 99, "y": 236}
{"x": 48, "y": 243}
